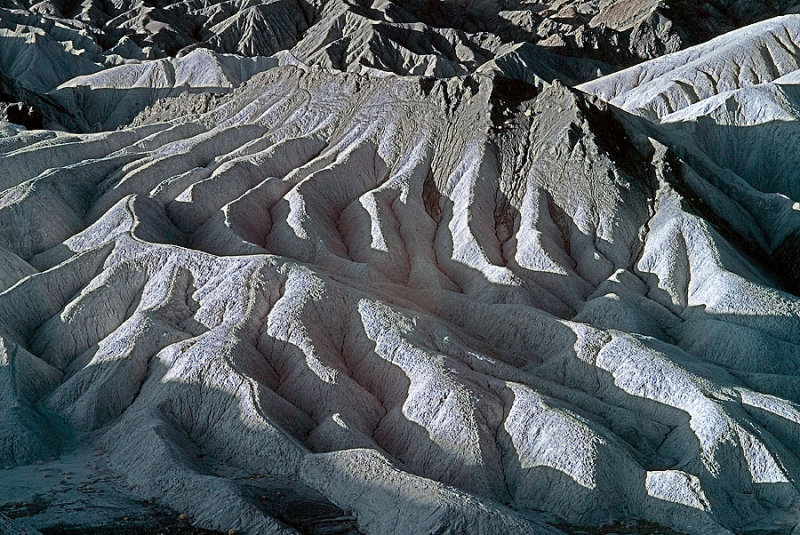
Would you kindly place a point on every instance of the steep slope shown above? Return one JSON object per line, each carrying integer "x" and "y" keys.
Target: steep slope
{"x": 734, "y": 113}
{"x": 750, "y": 56}
{"x": 128, "y": 47}
{"x": 111, "y": 98}
{"x": 49, "y": 43}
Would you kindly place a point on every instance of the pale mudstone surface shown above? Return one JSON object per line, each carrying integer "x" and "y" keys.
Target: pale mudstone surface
{"x": 400, "y": 304}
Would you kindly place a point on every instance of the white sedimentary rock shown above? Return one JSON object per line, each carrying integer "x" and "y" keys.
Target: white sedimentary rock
{"x": 415, "y": 305}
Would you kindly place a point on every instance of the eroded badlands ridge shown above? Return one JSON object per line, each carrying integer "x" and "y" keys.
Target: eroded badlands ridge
{"x": 405, "y": 304}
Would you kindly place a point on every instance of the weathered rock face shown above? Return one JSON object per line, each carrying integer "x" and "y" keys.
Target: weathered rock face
{"x": 47, "y": 43}
{"x": 627, "y": 32}
{"x": 279, "y": 297}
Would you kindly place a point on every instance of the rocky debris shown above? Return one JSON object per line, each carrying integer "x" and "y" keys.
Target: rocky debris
{"x": 111, "y": 98}
{"x": 625, "y": 33}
